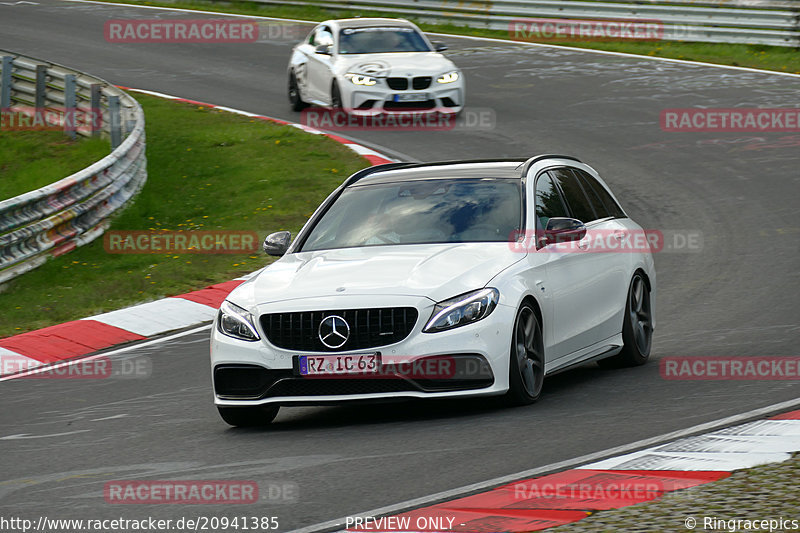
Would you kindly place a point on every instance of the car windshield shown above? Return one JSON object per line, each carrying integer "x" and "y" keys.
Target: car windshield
{"x": 417, "y": 212}
{"x": 381, "y": 39}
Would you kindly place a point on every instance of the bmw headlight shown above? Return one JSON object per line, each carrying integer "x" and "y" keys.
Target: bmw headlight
{"x": 361, "y": 79}
{"x": 236, "y": 322}
{"x": 450, "y": 77}
{"x": 462, "y": 310}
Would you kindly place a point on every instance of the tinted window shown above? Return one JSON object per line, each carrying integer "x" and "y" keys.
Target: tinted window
{"x": 426, "y": 211}
{"x": 381, "y": 39}
{"x": 578, "y": 203}
{"x": 548, "y": 201}
{"x": 611, "y": 208}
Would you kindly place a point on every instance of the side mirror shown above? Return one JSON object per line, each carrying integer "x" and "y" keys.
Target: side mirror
{"x": 439, "y": 46}
{"x": 562, "y": 229}
{"x": 324, "y": 49}
{"x": 277, "y": 243}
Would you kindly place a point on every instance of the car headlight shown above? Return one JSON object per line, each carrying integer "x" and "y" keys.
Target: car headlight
{"x": 236, "y": 322}
{"x": 450, "y": 77}
{"x": 462, "y": 310}
{"x": 361, "y": 79}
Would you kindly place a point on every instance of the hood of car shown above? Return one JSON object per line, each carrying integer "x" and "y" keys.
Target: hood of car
{"x": 435, "y": 271}
{"x": 402, "y": 64}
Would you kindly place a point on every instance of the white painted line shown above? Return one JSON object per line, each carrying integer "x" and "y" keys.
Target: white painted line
{"x": 561, "y": 465}
{"x": 12, "y": 362}
{"x": 363, "y": 150}
{"x": 80, "y": 360}
{"x": 157, "y": 317}
{"x": 471, "y": 37}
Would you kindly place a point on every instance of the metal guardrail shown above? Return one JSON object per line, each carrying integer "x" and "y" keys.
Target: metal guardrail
{"x": 75, "y": 210}
{"x": 689, "y": 21}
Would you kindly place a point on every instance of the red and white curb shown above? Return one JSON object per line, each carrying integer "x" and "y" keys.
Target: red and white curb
{"x": 564, "y": 497}
{"x": 54, "y": 344}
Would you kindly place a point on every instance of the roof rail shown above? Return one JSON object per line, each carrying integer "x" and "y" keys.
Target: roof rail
{"x": 369, "y": 170}
{"x": 530, "y": 162}
{"x": 394, "y": 166}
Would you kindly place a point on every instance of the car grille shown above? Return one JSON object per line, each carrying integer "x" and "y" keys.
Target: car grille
{"x": 421, "y": 82}
{"x": 409, "y": 106}
{"x": 369, "y": 328}
{"x": 339, "y": 387}
{"x": 401, "y": 84}
{"x": 254, "y": 382}
{"x": 398, "y": 84}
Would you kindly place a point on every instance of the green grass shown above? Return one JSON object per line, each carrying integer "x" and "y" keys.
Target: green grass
{"x": 33, "y": 159}
{"x": 778, "y": 58}
{"x": 207, "y": 170}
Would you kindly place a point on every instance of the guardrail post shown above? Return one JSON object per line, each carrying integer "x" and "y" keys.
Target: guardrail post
{"x": 70, "y": 107}
{"x": 114, "y": 121}
{"x": 5, "y": 83}
{"x": 97, "y": 116}
{"x": 40, "y": 96}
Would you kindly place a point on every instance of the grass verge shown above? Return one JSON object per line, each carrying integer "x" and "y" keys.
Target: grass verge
{"x": 777, "y": 58}
{"x": 33, "y": 159}
{"x": 207, "y": 170}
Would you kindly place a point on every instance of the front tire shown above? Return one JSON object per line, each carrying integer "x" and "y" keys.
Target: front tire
{"x": 294, "y": 94}
{"x": 637, "y": 328}
{"x": 336, "y": 96}
{"x": 250, "y": 416}
{"x": 526, "y": 365}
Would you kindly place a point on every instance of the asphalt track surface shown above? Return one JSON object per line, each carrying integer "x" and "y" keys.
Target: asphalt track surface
{"x": 61, "y": 440}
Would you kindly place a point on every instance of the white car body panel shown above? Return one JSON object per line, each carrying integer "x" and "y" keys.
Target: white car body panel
{"x": 315, "y": 73}
{"x": 581, "y": 297}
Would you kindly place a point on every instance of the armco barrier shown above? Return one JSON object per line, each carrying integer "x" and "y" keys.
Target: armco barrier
{"x": 75, "y": 210}
{"x": 770, "y": 22}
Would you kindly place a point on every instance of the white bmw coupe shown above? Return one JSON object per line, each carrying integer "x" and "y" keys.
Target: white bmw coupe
{"x": 373, "y": 65}
{"x": 438, "y": 280}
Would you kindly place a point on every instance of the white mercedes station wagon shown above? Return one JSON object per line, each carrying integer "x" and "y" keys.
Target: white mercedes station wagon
{"x": 438, "y": 280}
{"x": 373, "y": 65}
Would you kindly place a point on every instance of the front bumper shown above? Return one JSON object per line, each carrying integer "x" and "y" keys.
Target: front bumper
{"x": 258, "y": 373}
{"x": 381, "y": 99}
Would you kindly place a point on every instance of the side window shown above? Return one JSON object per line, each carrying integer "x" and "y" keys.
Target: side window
{"x": 612, "y": 208}
{"x": 549, "y": 203}
{"x": 576, "y": 198}
{"x": 597, "y": 204}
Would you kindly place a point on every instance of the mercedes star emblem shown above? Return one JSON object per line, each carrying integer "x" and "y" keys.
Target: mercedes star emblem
{"x": 334, "y": 331}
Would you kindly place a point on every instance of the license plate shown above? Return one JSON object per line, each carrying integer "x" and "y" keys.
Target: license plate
{"x": 340, "y": 364}
{"x": 411, "y": 97}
